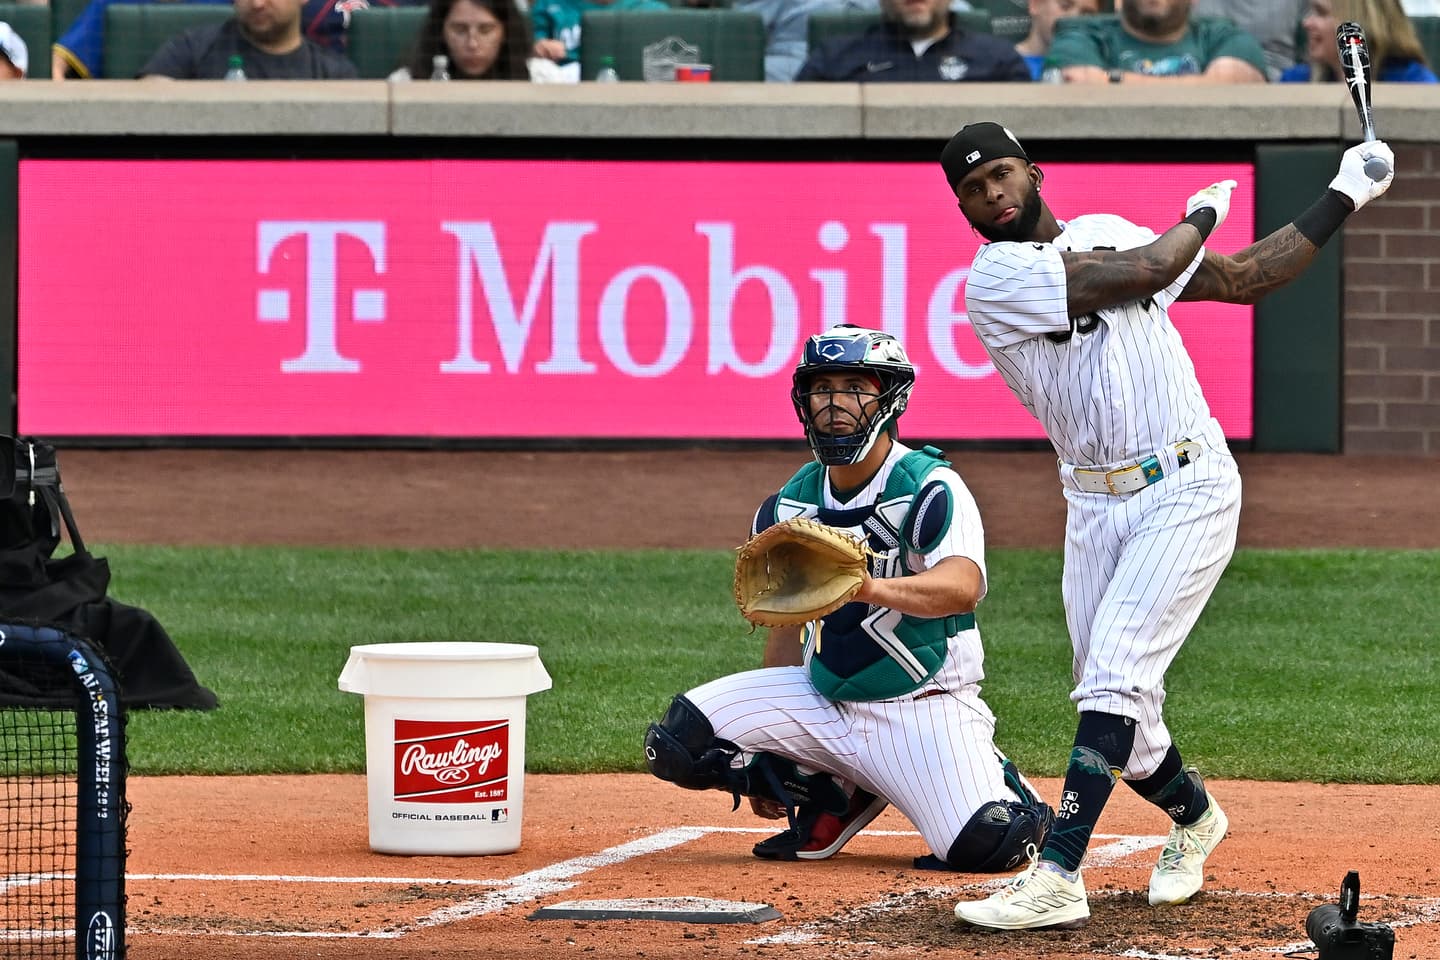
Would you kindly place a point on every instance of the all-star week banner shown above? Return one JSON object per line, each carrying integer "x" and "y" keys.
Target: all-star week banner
{"x": 528, "y": 299}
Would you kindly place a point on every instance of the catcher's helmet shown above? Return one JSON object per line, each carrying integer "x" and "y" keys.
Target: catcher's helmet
{"x": 850, "y": 348}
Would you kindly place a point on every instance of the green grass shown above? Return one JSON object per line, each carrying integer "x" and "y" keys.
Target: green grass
{"x": 1306, "y": 665}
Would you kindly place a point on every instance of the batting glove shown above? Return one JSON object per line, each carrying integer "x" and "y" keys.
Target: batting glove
{"x": 1216, "y": 197}
{"x": 1354, "y": 182}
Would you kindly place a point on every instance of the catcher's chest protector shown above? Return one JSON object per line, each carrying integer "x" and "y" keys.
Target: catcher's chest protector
{"x": 857, "y": 653}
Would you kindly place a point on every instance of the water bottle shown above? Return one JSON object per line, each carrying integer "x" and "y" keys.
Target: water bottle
{"x": 439, "y": 67}
{"x": 606, "y": 73}
{"x": 236, "y": 68}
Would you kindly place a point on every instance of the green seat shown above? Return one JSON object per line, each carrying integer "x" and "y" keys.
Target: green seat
{"x": 134, "y": 31}
{"x": 825, "y": 26}
{"x": 731, "y": 41}
{"x": 381, "y": 38}
{"x": 1428, "y": 30}
{"x": 32, "y": 23}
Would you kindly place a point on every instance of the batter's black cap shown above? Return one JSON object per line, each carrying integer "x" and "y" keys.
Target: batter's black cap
{"x": 978, "y": 143}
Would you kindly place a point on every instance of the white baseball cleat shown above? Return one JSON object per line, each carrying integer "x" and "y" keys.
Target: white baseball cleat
{"x": 1042, "y": 897}
{"x": 1181, "y": 871}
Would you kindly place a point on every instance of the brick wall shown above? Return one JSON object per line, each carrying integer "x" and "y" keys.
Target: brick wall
{"x": 1392, "y": 313}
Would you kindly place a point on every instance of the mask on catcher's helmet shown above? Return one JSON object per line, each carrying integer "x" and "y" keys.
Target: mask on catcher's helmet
{"x": 851, "y": 349}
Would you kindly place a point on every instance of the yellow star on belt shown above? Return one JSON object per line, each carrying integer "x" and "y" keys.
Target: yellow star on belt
{"x": 1152, "y": 471}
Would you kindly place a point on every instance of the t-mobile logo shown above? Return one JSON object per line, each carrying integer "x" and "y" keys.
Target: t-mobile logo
{"x": 322, "y": 240}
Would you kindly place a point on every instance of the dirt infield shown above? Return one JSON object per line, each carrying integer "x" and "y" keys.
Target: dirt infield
{"x": 285, "y": 858}
{"x": 692, "y": 498}
{"x": 279, "y": 867}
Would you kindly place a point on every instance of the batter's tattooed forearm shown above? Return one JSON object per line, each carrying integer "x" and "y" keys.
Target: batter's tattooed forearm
{"x": 1266, "y": 265}
{"x": 1103, "y": 278}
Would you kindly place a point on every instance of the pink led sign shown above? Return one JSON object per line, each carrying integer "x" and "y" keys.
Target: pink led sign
{"x": 526, "y": 298}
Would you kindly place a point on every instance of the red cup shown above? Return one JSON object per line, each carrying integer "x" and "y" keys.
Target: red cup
{"x": 692, "y": 72}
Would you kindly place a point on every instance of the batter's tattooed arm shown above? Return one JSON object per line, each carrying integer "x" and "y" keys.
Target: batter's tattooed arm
{"x": 1266, "y": 265}
{"x": 1096, "y": 279}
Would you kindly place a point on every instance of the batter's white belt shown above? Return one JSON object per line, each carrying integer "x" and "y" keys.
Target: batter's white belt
{"x": 1137, "y": 476}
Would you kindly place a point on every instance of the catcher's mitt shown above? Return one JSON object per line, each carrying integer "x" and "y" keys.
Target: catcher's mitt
{"x": 797, "y": 570}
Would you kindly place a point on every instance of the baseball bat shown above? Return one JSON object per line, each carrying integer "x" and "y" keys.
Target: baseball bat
{"x": 1355, "y": 64}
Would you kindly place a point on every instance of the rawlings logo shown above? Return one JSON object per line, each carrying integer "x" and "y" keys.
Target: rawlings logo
{"x": 451, "y": 761}
{"x": 452, "y": 766}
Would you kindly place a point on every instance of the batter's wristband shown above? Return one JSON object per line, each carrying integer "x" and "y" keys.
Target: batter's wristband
{"x": 1324, "y": 217}
{"x": 1204, "y": 220}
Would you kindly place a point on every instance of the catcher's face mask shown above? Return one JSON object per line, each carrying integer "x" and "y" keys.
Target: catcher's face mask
{"x": 842, "y": 433}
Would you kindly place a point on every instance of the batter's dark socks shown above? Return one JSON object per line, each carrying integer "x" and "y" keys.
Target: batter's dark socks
{"x": 1172, "y": 788}
{"x": 1102, "y": 748}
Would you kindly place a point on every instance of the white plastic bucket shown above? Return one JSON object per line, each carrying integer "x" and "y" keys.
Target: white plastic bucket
{"x": 445, "y": 743}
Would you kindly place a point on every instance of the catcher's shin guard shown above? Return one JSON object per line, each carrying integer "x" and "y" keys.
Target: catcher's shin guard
{"x": 682, "y": 748}
{"x": 773, "y": 777}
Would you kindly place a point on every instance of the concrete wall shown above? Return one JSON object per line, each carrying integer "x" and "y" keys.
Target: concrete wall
{"x": 735, "y": 111}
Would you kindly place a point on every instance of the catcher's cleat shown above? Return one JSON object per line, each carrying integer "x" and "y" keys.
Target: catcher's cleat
{"x": 1181, "y": 870}
{"x": 1043, "y": 897}
{"x": 817, "y": 834}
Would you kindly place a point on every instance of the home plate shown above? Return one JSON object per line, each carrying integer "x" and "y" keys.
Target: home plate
{"x": 681, "y": 909}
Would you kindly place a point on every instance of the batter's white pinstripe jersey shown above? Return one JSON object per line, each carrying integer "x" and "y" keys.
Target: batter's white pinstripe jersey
{"x": 1110, "y": 387}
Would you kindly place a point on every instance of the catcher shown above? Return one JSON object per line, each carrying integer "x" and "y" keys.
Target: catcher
{"x": 877, "y": 701}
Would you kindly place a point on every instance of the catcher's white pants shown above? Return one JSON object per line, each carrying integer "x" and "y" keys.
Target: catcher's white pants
{"x": 933, "y": 757}
{"x": 1138, "y": 572}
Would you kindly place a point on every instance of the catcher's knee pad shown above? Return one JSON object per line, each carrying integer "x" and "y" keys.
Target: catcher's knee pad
{"x": 997, "y": 836}
{"x": 682, "y": 748}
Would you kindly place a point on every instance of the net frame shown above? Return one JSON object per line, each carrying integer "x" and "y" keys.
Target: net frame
{"x": 62, "y": 799}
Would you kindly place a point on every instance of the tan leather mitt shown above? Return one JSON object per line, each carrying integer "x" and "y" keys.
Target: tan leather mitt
{"x": 796, "y": 571}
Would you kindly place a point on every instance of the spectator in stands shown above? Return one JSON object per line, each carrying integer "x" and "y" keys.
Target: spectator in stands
{"x": 1273, "y": 22}
{"x": 1043, "y": 14}
{"x": 479, "y": 39}
{"x": 14, "y": 55}
{"x": 1396, "y": 55}
{"x": 787, "y": 27}
{"x": 916, "y": 40}
{"x": 557, "y": 27}
{"x": 80, "y": 50}
{"x": 1155, "y": 41}
{"x": 265, "y": 34}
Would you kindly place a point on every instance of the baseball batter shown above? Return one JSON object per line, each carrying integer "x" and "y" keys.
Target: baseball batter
{"x": 884, "y": 693}
{"x": 1074, "y": 315}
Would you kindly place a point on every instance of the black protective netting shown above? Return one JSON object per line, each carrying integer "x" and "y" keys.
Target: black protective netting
{"x": 38, "y": 802}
